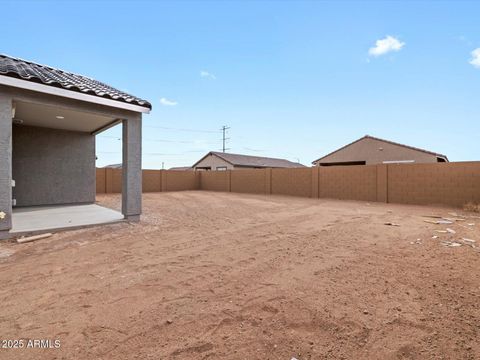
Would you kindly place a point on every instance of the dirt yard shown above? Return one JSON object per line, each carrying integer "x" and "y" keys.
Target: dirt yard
{"x": 233, "y": 276}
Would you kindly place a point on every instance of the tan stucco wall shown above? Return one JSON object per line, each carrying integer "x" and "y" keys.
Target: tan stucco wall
{"x": 52, "y": 166}
{"x": 213, "y": 162}
{"x": 368, "y": 150}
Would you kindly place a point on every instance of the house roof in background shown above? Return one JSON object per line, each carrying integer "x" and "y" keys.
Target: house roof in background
{"x": 383, "y": 140}
{"x": 181, "y": 168}
{"x": 252, "y": 161}
{"x": 46, "y": 75}
{"x": 113, "y": 166}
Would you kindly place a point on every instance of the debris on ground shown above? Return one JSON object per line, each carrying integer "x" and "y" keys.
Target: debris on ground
{"x": 2, "y": 215}
{"x": 451, "y": 243}
{"x": 23, "y": 240}
{"x": 5, "y": 253}
{"x": 391, "y": 224}
{"x": 439, "y": 222}
{"x": 453, "y": 219}
{"x": 469, "y": 242}
{"x": 433, "y": 216}
{"x": 466, "y": 227}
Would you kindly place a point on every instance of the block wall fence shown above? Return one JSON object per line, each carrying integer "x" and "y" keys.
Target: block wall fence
{"x": 453, "y": 184}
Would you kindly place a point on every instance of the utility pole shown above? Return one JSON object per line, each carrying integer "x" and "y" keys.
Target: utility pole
{"x": 224, "y": 130}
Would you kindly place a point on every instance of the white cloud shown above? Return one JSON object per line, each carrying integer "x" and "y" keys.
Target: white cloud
{"x": 386, "y": 45}
{"x": 166, "y": 102}
{"x": 475, "y": 60}
{"x": 206, "y": 74}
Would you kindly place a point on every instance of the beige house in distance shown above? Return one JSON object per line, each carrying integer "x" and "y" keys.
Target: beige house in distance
{"x": 371, "y": 150}
{"x": 219, "y": 161}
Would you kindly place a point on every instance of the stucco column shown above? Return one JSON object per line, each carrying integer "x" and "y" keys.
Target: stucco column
{"x": 132, "y": 168}
{"x": 5, "y": 165}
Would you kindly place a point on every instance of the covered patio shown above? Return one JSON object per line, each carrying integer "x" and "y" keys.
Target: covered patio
{"x": 48, "y": 122}
{"x": 36, "y": 219}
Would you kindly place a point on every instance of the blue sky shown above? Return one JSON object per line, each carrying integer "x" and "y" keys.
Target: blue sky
{"x": 294, "y": 80}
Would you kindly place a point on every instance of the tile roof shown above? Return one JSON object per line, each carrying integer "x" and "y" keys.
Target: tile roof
{"x": 386, "y": 141}
{"x": 46, "y": 75}
{"x": 253, "y": 161}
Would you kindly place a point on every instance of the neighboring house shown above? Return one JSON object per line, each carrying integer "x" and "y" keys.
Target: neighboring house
{"x": 182, "y": 168}
{"x": 371, "y": 150}
{"x": 113, "y": 166}
{"x": 48, "y": 122}
{"x": 225, "y": 161}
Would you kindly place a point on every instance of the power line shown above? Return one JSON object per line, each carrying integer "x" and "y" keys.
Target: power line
{"x": 224, "y": 131}
{"x": 255, "y": 150}
{"x": 154, "y": 153}
{"x": 182, "y": 129}
{"x": 170, "y": 141}
{"x": 163, "y": 140}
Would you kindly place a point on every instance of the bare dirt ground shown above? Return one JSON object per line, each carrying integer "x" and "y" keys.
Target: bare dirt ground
{"x": 233, "y": 276}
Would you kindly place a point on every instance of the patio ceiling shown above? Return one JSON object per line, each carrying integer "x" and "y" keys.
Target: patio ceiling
{"x": 33, "y": 114}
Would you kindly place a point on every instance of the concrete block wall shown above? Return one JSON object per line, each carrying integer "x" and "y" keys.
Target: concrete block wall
{"x": 214, "y": 180}
{"x": 294, "y": 182}
{"x": 151, "y": 181}
{"x": 445, "y": 183}
{"x": 109, "y": 180}
{"x": 100, "y": 181}
{"x": 348, "y": 182}
{"x": 180, "y": 180}
{"x": 248, "y": 181}
{"x": 452, "y": 184}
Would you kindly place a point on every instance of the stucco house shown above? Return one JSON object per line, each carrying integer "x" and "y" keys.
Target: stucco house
{"x": 181, "y": 168}
{"x": 113, "y": 166}
{"x": 220, "y": 161}
{"x": 48, "y": 122}
{"x": 371, "y": 150}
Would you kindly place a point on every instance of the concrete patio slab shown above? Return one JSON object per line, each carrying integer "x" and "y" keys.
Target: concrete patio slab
{"x": 61, "y": 217}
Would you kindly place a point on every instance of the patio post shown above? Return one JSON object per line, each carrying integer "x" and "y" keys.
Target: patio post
{"x": 6, "y": 115}
{"x": 132, "y": 167}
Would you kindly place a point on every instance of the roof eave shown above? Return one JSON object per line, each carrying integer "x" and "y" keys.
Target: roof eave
{"x": 208, "y": 154}
{"x": 46, "y": 89}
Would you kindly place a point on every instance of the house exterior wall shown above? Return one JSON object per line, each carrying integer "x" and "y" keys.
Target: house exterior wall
{"x": 53, "y": 166}
{"x": 368, "y": 150}
{"x": 5, "y": 164}
{"x": 213, "y": 162}
{"x": 132, "y": 167}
